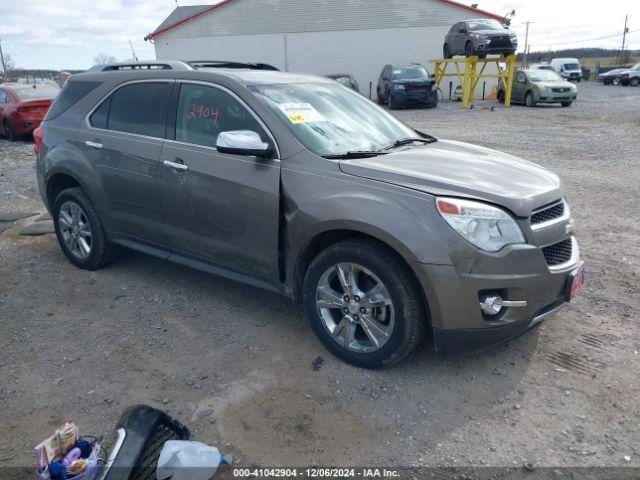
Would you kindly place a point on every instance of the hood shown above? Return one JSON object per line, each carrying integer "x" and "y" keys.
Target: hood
{"x": 555, "y": 84}
{"x": 495, "y": 33}
{"x": 459, "y": 169}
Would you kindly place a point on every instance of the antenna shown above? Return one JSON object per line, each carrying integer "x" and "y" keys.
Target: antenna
{"x": 135, "y": 57}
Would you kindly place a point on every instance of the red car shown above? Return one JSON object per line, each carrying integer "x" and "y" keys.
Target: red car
{"x": 23, "y": 106}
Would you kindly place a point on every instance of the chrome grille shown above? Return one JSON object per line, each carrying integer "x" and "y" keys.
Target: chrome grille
{"x": 558, "y": 253}
{"x": 547, "y": 213}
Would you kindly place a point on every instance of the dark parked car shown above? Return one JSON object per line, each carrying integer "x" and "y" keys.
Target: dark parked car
{"x": 300, "y": 186}
{"x": 23, "y": 106}
{"x": 345, "y": 79}
{"x": 612, "y": 77}
{"x": 479, "y": 37}
{"x": 406, "y": 85}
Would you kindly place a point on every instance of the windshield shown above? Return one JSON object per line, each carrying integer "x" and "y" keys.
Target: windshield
{"x": 572, "y": 66}
{"x": 346, "y": 81}
{"x": 636, "y": 67}
{"x": 544, "y": 76}
{"x": 474, "y": 25}
{"x": 331, "y": 120}
{"x": 409, "y": 73}
{"x": 38, "y": 92}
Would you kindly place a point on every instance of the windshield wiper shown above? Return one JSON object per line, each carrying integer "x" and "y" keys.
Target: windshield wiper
{"x": 407, "y": 141}
{"x": 355, "y": 154}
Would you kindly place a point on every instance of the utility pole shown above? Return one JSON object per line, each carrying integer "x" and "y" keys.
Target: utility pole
{"x": 624, "y": 39}
{"x": 4, "y": 67}
{"x": 526, "y": 45}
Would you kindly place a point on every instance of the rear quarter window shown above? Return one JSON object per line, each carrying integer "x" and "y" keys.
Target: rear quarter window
{"x": 71, "y": 94}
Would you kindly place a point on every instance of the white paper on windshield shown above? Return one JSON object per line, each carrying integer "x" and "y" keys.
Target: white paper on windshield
{"x": 301, "y": 112}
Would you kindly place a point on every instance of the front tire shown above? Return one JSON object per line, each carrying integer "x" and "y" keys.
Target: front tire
{"x": 529, "y": 101}
{"x": 390, "y": 103}
{"x": 566, "y": 104}
{"x": 80, "y": 233}
{"x": 634, "y": 82}
{"x": 363, "y": 304}
{"x": 468, "y": 49}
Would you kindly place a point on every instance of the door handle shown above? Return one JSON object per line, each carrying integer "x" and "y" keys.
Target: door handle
{"x": 96, "y": 145}
{"x": 175, "y": 165}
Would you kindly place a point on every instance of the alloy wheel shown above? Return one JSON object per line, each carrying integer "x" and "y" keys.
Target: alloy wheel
{"x": 75, "y": 229}
{"x": 355, "y": 307}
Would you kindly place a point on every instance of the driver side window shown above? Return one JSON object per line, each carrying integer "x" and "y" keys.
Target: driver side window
{"x": 520, "y": 77}
{"x": 204, "y": 112}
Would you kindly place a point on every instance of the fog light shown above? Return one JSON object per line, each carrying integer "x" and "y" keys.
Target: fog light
{"x": 491, "y": 304}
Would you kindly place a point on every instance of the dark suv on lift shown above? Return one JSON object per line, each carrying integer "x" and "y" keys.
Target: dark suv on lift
{"x": 298, "y": 185}
{"x": 479, "y": 37}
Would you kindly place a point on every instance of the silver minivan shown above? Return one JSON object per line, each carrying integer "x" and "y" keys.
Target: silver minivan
{"x": 299, "y": 185}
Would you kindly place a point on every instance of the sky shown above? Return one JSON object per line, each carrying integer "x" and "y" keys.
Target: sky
{"x": 69, "y": 34}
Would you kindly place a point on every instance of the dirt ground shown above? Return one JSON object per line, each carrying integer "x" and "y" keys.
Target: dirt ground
{"x": 235, "y": 363}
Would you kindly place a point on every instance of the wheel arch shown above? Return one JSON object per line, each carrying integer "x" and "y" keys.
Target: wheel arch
{"x": 324, "y": 239}
{"x": 59, "y": 181}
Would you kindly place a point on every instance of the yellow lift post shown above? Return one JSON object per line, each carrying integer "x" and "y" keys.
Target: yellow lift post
{"x": 469, "y": 75}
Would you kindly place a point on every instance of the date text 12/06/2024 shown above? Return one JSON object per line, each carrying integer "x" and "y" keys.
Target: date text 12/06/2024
{"x": 315, "y": 472}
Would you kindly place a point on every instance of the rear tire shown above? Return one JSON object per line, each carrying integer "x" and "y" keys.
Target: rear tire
{"x": 8, "y": 133}
{"x": 379, "y": 98}
{"x": 528, "y": 100}
{"x": 445, "y": 52}
{"x": 405, "y": 320}
{"x": 80, "y": 233}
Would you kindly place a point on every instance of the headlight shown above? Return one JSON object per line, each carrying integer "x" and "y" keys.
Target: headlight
{"x": 483, "y": 38}
{"x": 398, "y": 87}
{"x": 487, "y": 227}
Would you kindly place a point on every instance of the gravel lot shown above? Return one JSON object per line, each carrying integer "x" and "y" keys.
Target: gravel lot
{"x": 235, "y": 363}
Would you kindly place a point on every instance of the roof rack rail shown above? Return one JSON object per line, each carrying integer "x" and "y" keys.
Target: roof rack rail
{"x": 126, "y": 66}
{"x": 226, "y": 64}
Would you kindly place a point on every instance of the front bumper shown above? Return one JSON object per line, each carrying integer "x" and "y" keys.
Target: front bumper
{"x": 517, "y": 272}
{"x": 557, "y": 97}
{"x": 408, "y": 98}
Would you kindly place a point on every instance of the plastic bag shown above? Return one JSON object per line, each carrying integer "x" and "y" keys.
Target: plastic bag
{"x": 183, "y": 460}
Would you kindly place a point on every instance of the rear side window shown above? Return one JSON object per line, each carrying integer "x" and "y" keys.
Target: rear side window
{"x": 138, "y": 108}
{"x": 71, "y": 94}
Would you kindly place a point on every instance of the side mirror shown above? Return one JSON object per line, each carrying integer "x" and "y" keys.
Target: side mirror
{"x": 243, "y": 142}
